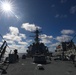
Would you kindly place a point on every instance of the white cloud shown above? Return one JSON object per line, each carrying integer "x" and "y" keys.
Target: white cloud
{"x": 21, "y": 48}
{"x": 52, "y": 46}
{"x": 63, "y": 38}
{"x": 14, "y": 35}
{"x": 9, "y": 36}
{"x": 13, "y": 30}
{"x": 10, "y": 41}
{"x": 55, "y": 44}
{"x": 29, "y": 41}
{"x": 15, "y": 39}
{"x": 29, "y": 27}
{"x": 46, "y": 39}
{"x": 73, "y": 9}
{"x": 52, "y": 49}
{"x": 23, "y": 43}
{"x": 22, "y": 35}
{"x": 67, "y": 31}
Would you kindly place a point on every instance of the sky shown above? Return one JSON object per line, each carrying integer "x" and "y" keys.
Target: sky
{"x": 56, "y": 20}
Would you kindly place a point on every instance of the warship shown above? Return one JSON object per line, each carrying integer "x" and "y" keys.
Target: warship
{"x": 37, "y": 50}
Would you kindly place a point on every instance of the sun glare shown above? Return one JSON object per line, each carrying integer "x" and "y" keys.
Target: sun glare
{"x": 6, "y": 7}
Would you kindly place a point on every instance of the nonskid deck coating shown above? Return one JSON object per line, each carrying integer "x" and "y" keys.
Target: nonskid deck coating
{"x": 27, "y": 67}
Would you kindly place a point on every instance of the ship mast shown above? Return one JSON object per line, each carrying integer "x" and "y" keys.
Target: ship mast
{"x": 36, "y": 36}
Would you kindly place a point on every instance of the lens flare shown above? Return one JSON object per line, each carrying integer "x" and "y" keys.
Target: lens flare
{"x": 7, "y": 8}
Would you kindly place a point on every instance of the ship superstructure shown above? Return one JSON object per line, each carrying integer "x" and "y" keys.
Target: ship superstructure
{"x": 37, "y": 47}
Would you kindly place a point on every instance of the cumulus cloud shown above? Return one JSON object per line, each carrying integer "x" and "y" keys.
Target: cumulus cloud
{"x": 46, "y": 39}
{"x": 55, "y": 44}
{"x": 73, "y": 9}
{"x": 63, "y": 38}
{"x": 22, "y": 36}
{"x": 21, "y": 48}
{"x": 10, "y": 41}
{"x": 14, "y": 35}
{"x": 13, "y": 30}
{"x": 23, "y": 43}
{"x": 52, "y": 46}
{"x": 67, "y": 31}
{"x": 29, "y": 27}
{"x": 15, "y": 39}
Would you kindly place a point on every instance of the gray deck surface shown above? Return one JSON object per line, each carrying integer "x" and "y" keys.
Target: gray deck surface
{"x": 27, "y": 67}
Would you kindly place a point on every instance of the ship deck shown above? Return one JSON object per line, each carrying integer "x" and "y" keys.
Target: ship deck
{"x": 27, "y": 67}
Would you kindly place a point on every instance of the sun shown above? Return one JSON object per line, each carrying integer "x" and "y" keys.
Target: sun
{"x": 6, "y": 7}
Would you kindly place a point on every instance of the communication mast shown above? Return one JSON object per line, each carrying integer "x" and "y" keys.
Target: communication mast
{"x": 36, "y": 36}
